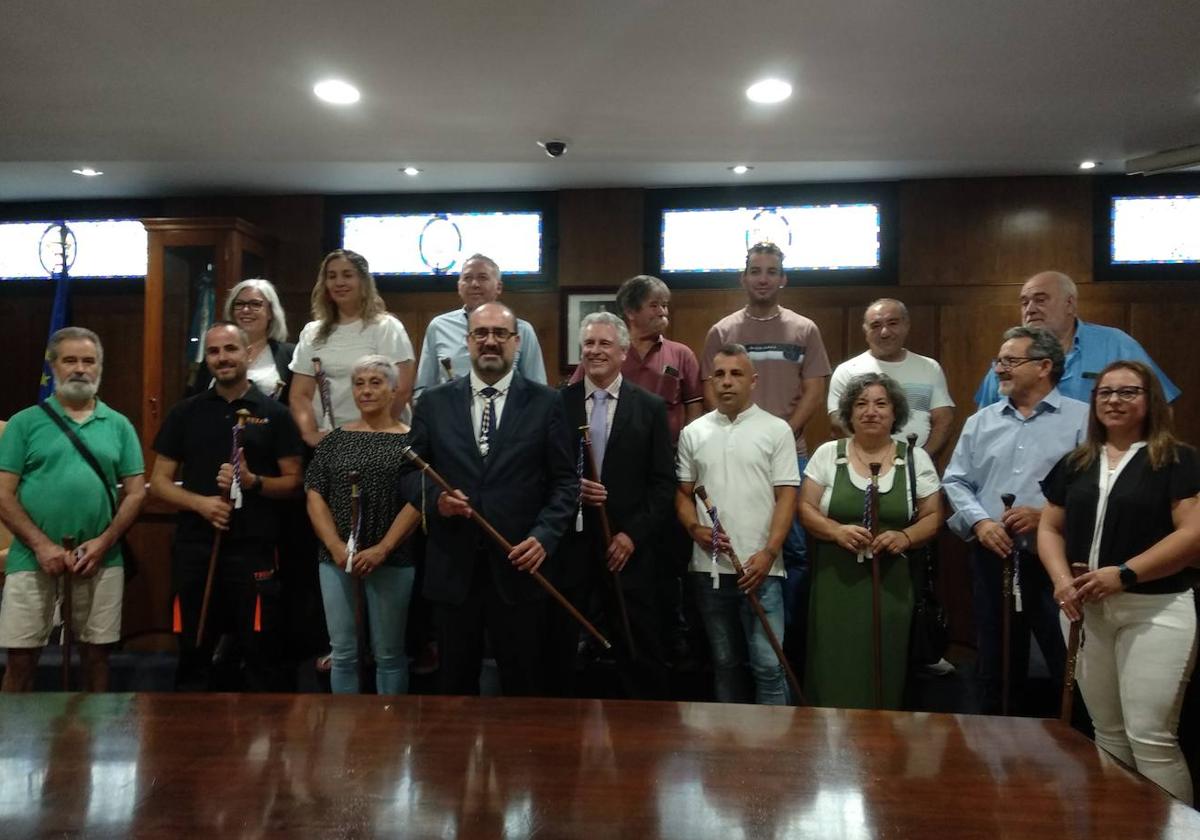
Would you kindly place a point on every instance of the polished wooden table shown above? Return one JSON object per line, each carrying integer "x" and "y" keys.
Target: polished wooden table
{"x": 199, "y": 766}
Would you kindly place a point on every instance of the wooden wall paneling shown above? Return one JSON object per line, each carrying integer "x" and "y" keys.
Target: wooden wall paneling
{"x": 25, "y": 323}
{"x": 1166, "y": 330}
{"x": 599, "y": 237}
{"x": 994, "y": 230}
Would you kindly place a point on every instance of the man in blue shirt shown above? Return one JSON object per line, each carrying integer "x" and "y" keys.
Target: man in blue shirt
{"x": 1009, "y": 447}
{"x": 1048, "y": 300}
{"x": 446, "y": 336}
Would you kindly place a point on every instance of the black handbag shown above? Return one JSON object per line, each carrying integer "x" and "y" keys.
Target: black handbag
{"x": 930, "y": 636}
{"x": 130, "y": 562}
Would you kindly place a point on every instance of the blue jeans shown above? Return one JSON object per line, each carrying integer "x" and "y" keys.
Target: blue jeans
{"x": 795, "y": 564}
{"x": 735, "y": 634}
{"x": 388, "y": 590}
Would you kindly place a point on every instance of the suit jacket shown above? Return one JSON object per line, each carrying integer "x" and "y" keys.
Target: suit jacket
{"x": 525, "y": 487}
{"x": 639, "y": 474}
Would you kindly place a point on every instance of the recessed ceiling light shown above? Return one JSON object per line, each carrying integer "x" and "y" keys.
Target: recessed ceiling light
{"x": 1088, "y": 164}
{"x": 87, "y": 172}
{"x": 768, "y": 91}
{"x": 740, "y": 169}
{"x": 411, "y": 171}
{"x": 336, "y": 92}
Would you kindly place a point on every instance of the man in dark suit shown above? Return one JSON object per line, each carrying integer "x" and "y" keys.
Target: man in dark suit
{"x": 632, "y": 443}
{"x": 503, "y": 442}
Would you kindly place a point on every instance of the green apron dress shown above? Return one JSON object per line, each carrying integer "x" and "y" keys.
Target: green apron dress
{"x": 838, "y": 668}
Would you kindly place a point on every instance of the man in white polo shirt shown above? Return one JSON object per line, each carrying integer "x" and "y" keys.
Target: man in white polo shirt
{"x": 745, "y": 458}
{"x": 931, "y": 411}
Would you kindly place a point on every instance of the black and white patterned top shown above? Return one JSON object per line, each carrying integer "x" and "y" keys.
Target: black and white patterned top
{"x": 380, "y": 466}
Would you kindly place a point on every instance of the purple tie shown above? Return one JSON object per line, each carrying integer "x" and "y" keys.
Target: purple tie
{"x": 599, "y": 426}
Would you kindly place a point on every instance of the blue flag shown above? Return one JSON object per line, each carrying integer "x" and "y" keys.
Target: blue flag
{"x": 60, "y": 316}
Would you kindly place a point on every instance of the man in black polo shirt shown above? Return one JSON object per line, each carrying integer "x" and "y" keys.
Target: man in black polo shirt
{"x": 197, "y": 435}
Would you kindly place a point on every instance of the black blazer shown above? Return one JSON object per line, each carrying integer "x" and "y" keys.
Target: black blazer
{"x": 639, "y": 474}
{"x": 525, "y": 487}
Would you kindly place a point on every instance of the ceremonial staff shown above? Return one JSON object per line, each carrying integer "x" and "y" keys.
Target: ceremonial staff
{"x": 437, "y": 479}
{"x": 755, "y": 604}
{"x": 1073, "y": 638}
{"x": 351, "y": 550}
{"x": 68, "y": 544}
{"x": 606, "y": 531}
{"x": 234, "y": 493}
{"x": 323, "y": 391}
{"x": 1010, "y": 561}
{"x": 872, "y": 512}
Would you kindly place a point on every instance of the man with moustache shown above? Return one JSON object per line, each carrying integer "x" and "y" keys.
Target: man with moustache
{"x": 48, "y": 490}
{"x": 196, "y": 438}
{"x": 503, "y": 442}
{"x": 931, "y": 411}
{"x": 1049, "y": 300}
{"x": 636, "y": 487}
{"x": 745, "y": 458}
{"x": 479, "y": 282}
{"x": 1009, "y": 447}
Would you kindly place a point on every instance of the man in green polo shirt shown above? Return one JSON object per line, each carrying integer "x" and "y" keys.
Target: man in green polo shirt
{"x": 49, "y": 491}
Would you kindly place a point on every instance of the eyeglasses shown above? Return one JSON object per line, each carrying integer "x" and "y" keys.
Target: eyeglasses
{"x": 501, "y": 334}
{"x": 1010, "y": 362}
{"x": 252, "y": 305}
{"x": 1127, "y": 394}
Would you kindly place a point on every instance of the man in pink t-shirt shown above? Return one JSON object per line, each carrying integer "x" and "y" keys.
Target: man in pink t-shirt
{"x": 793, "y": 372}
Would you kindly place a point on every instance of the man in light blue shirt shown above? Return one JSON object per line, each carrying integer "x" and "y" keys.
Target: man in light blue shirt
{"x": 446, "y": 337}
{"x": 1009, "y": 447}
{"x": 1048, "y": 300}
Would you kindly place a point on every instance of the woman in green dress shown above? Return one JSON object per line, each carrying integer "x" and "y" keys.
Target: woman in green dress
{"x": 833, "y": 499}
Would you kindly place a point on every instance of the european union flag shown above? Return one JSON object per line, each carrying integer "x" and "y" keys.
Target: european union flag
{"x": 60, "y": 315}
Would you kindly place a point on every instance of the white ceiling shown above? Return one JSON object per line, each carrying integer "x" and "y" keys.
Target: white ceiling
{"x": 184, "y": 96}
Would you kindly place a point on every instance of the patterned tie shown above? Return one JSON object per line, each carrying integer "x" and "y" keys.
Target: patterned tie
{"x": 487, "y": 423}
{"x": 598, "y": 426}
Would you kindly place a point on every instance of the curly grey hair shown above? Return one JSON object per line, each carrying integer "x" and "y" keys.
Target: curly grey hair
{"x": 862, "y": 382}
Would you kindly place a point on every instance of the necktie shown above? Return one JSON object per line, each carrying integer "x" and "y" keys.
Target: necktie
{"x": 487, "y": 423}
{"x": 598, "y": 426}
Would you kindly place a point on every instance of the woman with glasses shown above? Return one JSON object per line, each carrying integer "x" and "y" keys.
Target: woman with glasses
{"x": 370, "y": 446}
{"x": 1124, "y": 504}
{"x": 254, "y": 306}
{"x": 350, "y": 320}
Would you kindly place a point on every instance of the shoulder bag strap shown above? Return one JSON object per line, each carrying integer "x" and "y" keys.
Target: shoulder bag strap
{"x": 84, "y": 451}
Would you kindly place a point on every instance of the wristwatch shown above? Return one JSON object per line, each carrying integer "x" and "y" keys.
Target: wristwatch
{"x": 1128, "y": 576}
{"x": 255, "y": 485}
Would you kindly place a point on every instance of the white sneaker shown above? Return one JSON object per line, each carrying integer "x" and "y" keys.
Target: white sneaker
{"x": 940, "y": 668}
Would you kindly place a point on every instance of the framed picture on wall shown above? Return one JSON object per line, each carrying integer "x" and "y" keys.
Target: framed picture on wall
{"x": 576, "y": 304}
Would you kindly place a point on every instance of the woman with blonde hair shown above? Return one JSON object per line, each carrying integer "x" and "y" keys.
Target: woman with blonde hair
{"x": 350, "y": 320}
{"x": 1125, "y": 505}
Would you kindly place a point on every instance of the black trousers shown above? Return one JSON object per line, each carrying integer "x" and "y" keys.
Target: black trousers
{"x": 642, "y": 677}
{"x": 516, "y": 632}
{"x": 245, "y": 583}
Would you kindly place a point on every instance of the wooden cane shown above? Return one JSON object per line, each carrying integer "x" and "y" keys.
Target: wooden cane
{"x": 1006, "y": 619}
{"x": 323, "y": 391}
{"x": 68, "y": 544}
{"x": 422, "y": 465}
{"x": 1073, "y": 638}
{"x": 876, "y": 591}
{"x": 359, "y": 593}
{"x": 606, "y": 531}
{"x": 448, "y": 367}
{"x": 235, "y": 457}
{"x": 757, "y": 606}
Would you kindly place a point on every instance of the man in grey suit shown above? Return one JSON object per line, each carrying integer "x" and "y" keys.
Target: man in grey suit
{"x": 504, "y": 443}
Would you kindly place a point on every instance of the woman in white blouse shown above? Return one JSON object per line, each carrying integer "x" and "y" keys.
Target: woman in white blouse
{"x": 350, "y": 321}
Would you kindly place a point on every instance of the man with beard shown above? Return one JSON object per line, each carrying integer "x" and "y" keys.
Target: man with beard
{"x": 48, "y": 490}
{"x": 1049, "y": 300}
{"x": 1009, "y": 447}
{"x": 503, "y": 443}
{"x": 197, "y": 435}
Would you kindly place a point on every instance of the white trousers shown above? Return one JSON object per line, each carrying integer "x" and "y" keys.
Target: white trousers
{"x": 1137, "y": 656}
